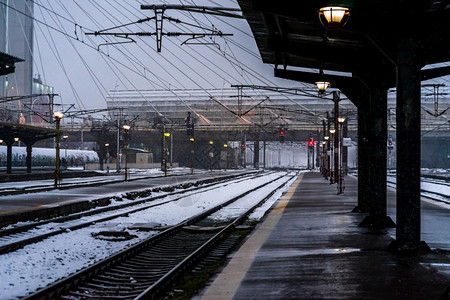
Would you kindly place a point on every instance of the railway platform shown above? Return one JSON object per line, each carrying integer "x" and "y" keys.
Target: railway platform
{"x": 310, "y": 247}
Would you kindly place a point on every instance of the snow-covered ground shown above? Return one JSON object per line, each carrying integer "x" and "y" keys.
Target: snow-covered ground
{"x": 111, "y": 177}
{"x": 37, "y": 265}
{"x": 435, "y": 189}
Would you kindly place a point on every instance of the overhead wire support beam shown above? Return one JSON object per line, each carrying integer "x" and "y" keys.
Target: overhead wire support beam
{"x": 159, "y": 18}
{"x": 292, "y": 91}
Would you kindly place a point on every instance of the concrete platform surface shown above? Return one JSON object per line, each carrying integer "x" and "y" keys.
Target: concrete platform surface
{"x": 310, "y": 247}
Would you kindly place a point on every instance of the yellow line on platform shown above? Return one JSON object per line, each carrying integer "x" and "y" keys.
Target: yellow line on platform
{"x": 229, "y": 280}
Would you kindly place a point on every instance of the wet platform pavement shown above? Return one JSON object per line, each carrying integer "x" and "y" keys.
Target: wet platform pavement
{"x": 310, "y": 247}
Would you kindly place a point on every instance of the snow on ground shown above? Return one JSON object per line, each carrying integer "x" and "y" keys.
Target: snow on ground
{"x": 429, "y": 189}
{"x": 112, "y": 176}
{"x": 37, "y": 265}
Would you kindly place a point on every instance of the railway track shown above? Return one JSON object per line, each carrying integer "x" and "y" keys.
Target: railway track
{"x": 147, "y": 269}
{"x": 19, "y": 236}
{"x": 430, "y": 188}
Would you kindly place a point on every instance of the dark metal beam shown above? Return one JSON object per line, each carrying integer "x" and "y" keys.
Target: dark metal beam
{"x": 434, "y": 73}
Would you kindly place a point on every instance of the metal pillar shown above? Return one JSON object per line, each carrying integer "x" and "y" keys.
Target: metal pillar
{"x": 264, "y": 154}
{"x": 408, "y": 145}
{"x": 328, "y": 147}
{"x": 9, "y": 144}
{"x": 192, "y": 155}
{"x": 126, "y": 155}
{"x": 336, "y": 100}
{"x": 377, "y": 148}
{"x": 58, "y": 121}
{"x": 345, "y": 149}
{"x": 363, "y": 162}
{"x": 378, "y": 156}
{"x": 28, "y": 159}
{"x": 118, "y": 146}
{"x": 256, "y": 153}
{"x": 324, "y": 150}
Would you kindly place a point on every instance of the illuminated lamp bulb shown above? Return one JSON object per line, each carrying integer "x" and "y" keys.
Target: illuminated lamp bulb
{"x": 333, "y": 17}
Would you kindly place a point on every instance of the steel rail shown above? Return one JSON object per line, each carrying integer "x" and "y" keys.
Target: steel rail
{"x": 71, "y": 283}
{"x": 27, "y": 241}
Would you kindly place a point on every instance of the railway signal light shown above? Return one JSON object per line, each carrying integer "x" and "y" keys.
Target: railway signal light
{"x": 282, "y": 132}
{"x": 390, "y": 144}
{"x": 311, "y": 142}
{"x": 189, "y": 125}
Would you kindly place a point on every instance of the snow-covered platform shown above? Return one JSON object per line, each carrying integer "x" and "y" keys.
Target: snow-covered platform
{"x": 310, "y": 247}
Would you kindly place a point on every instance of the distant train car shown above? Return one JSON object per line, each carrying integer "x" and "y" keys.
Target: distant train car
{"x": 42, "y": 157}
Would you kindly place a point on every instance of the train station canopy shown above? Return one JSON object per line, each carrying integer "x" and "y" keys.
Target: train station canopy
{"x": 26, "y": 133}
{"x": 7, "y": 63}
{"x": 289, "y": 34}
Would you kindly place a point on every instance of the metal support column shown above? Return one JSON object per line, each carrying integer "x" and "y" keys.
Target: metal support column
{"x": 256, "y": 153}
{"x": 9, "y": 143}
{"x": 377, "y": 148}
{"x": 28, "y": 159}
{"x": 345, "y": 149}
{"x": 363, "y": 161}
{"x": 408, "y": 145}
{"x": 336, "y": 100}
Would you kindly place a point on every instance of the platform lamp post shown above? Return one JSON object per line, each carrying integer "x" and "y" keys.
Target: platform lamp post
{"x": 225, "y": 146}
{"x": 211, "y": 154}
{"x": 57, "y": 116}
{"x": 341, "y": 186}
{"x": 126, "y": 128}
{"x": 166, "y": 136}
{"x": 323, "y": 147}
{"x": 326, "y": 149}
{"x": 107, "y": 152}
{"x": 65, "y": 137}
{"x": 332, "y": 166}
{"x": 192, "y": 154}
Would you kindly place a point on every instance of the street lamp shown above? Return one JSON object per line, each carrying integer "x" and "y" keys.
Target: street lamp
{"x": 166, "y": 136}
{"x": 332, "y": 166}
{"x": 57, "y": 115}
{"x": 107, "y": 152}
{"x": 16, "y": 139}
{"x": 341, "y": 186}
{"x": 226, "y": 155}
{"x": 326, "y": 149}
{"x": 211, "y": 154}
{"x": 65, "y": 137}
{"x": 126, "y": 128}
{"x": 322, "y": 86}
{"x": 192, "y": 154}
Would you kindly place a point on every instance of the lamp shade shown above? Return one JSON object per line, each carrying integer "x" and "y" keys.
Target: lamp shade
{"x": 333, "y": 16}
{"x": 322, "y": 85}
{"x": 58, "y": 115}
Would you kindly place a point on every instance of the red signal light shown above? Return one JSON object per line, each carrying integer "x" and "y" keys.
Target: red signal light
{"x": 310, "y": 143}
{"x": 281, "y": 132}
